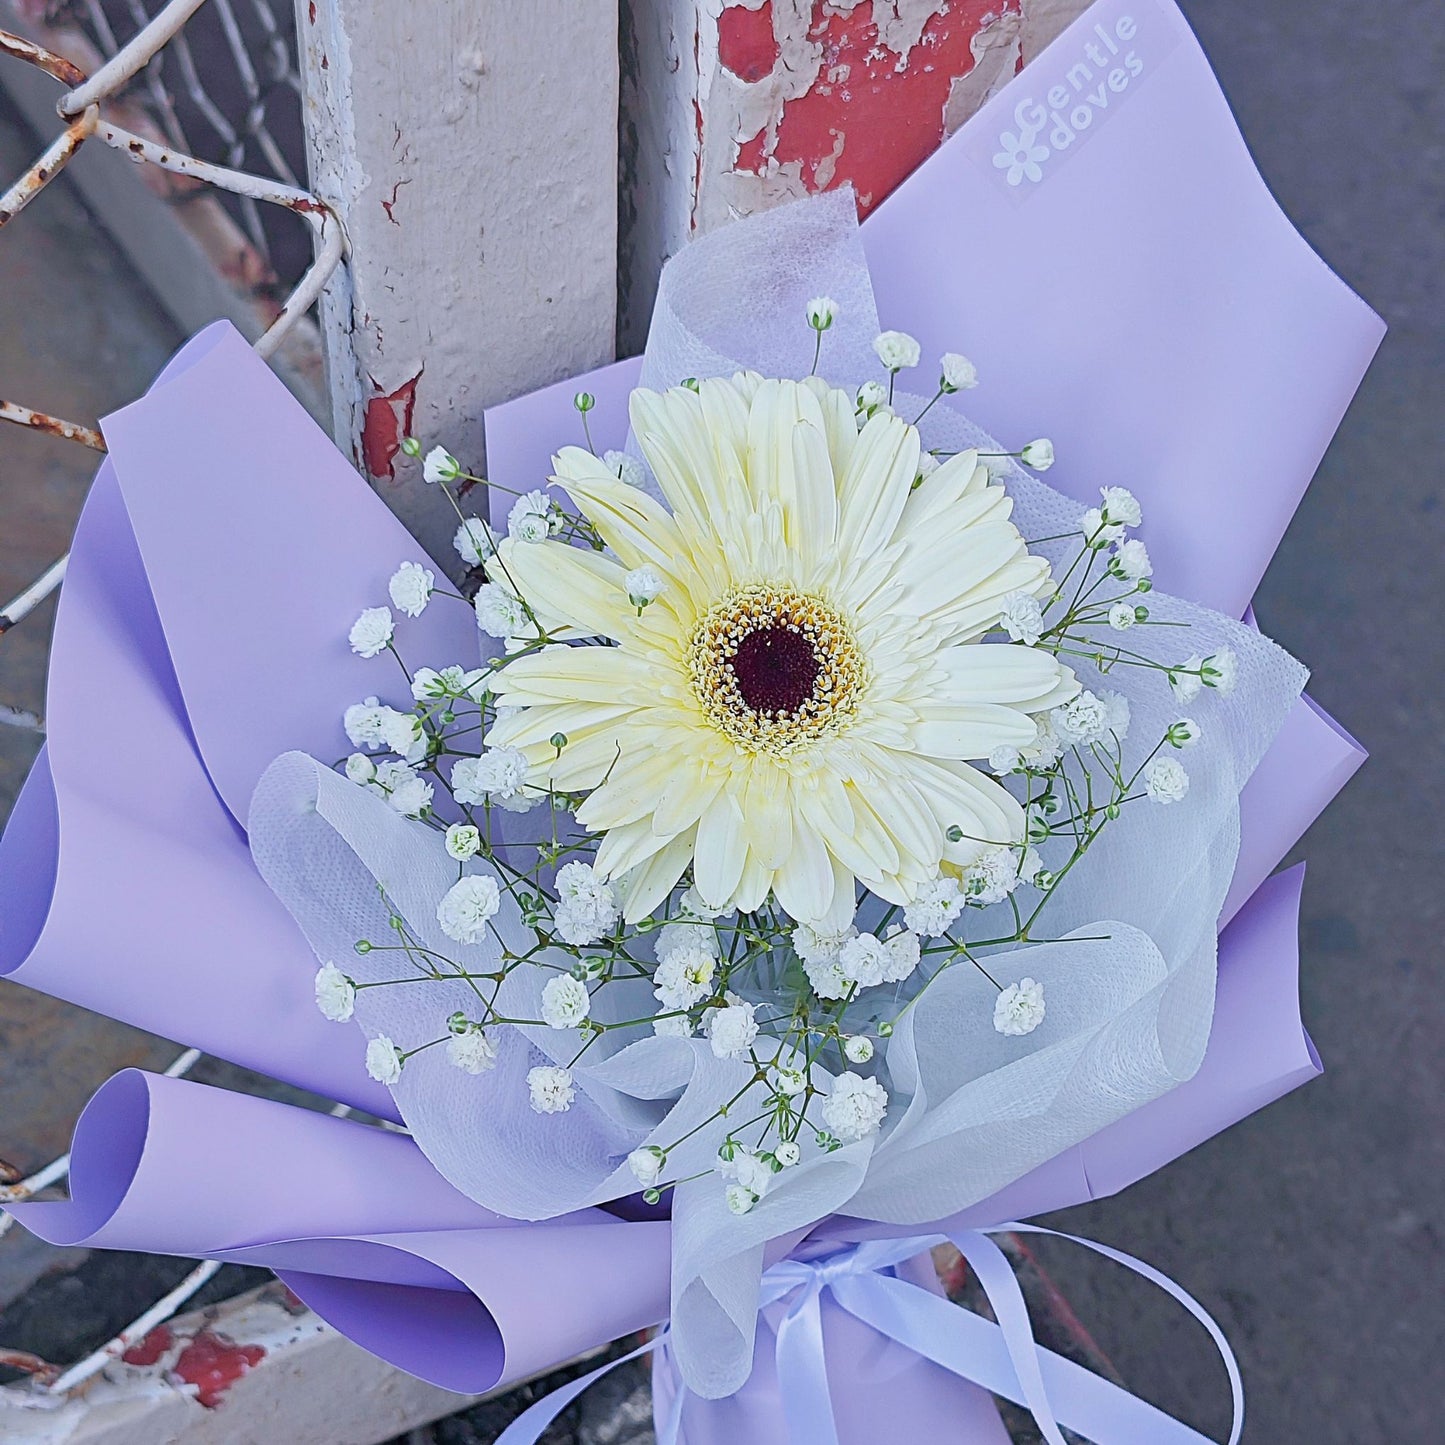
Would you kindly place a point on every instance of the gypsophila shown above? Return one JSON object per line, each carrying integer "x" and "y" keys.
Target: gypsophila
{"x": 858, "y": 1049}
{"x": 937, "y": 904}
{"x": 1122, "y": 616}
{"x": 1081, "y": 721}
{"x": 498, "y": 774}
{"x": 1165, "y": 780}
{"x": 856, "y": 1106}
{"x": 1221, "y": 671}
{"x": 1098, "y": 530}
{"x": 1131, "y": 561}
{"x": 335, "y": 994}
{"x": 1022, "y": 618}
{"x": 683, "y": 978}
{"x": 472, "y": 1051}
{"x": 383, "y": 1060}
{"x": 587, "y": 908}
{"x": 897, "y": 350}
{"x": 550, "y": 1089}
{"x": 440, "y": 465}
{"x": 647, "y": 1164}
{"x": 360, "y": 768}
{"x": 1121, "y": 505}
{"x": 643, "y": 586}
{"x": 565, "y": 1002}
{"x": 463, "y": 841}
{"x": 731, "y": 1030}
{"x": 411, "y": 588}
{"x": 1183, "y": 734}
{"x": 404, "y": 788}
{"x": 958, "y": 373}
{"x": 371, "y": 632}
{"x": 475, "y": 542}
{"x": 499, "y": 614}
{"x": 1038, "y": 454}
{"x": 530, "y": 518}
{"x": 821, "y": 312}
{"x": 1019, "y": 1009}
{"x": 467, "y": 907}
{"x": 626, "y": 468}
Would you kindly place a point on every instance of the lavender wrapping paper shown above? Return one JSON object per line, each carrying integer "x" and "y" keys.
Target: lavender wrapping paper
{"x": 226, "y": 536}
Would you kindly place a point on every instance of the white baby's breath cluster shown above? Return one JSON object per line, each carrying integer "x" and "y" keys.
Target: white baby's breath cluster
{"x": 801, "y": 1011}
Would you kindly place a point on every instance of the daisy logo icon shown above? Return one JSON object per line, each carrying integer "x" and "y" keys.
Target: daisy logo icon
{"x": 1021, "y": 155}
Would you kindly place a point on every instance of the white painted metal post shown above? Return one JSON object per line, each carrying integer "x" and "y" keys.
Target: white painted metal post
{"x": 470, "y": 147}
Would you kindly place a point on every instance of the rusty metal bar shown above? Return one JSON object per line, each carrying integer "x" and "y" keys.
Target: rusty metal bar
{"x": 18, "y": 608}
{"x": 51, "y": 425}
{"x": 51, "y": 162}
{"x": 131, "y": 58}
{"x": 19, "y": 48}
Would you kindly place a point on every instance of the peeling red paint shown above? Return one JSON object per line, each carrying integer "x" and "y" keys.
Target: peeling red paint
{"x": 866, "y": 121}
{"x": 746, "y": 44}
{"x": 213, "y": 1364}
{"x": 388, "y": 420}
{"x": 149, "y": 1349}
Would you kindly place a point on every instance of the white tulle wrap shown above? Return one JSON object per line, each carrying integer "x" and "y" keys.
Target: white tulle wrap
{"x": 1130, "y": 998}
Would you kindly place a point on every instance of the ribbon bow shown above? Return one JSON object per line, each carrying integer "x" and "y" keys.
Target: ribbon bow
{"x": 1003, "y": 1358}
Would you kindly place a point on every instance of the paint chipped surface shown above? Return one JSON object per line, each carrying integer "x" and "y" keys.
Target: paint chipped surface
{"x": 213, "y": 1363}
{"x": 388, "y": 418}
{"x": 801, "y": 96}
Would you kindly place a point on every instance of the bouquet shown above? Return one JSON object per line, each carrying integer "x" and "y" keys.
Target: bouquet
{"x": 802, "y": 836}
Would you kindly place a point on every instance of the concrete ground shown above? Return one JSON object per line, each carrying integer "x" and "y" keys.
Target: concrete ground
{"x": 1314, "y": 1230}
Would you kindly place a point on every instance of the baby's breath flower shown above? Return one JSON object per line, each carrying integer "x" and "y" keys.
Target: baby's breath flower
{"x": 335, "y": 993}
{"x": 499, "y": 613}
{"x": 872, "y": 395}
{"x": 858, "y": 1049}
{"x": 365, "y": 723}
{"x": 1165, "y": 780}
{"x": 1184, "y": 733}
{"x": 371, "y": 632}
{"x": 463, "y": 841}
{"x": 740, "y": 1200}
{"x": 897, "y": 349}
{"x": 643, "y": 586}
{"x": 383, "y": 1060}
{"x": 360, "y": 768}
{"x": 647, "y": 1164}
{"x": 1131, "y": 561}
{"x": 1116, "y": 705}
{"x": 787, "y": 1153}
{"x": 467, "y": 907}
{"x": 475, "y": 542}
{"x": 1121, "y": 505}
{"x": 992, "y": 876}
{"x": 1019, "y": 1009}
{"x": 1122, "y": 617}
{"x": 731, "y": 1030}
{"x": 626, "y": 468}
{"x": 1184, "y": 680}
{"x": 411, "y": 588}
{"x": 587, "y": 908}
{"x": 1002, "y": 761}
{"x": 937, "y": 904}
{"x": 1221, "y": 671}
{"x": 958, "y": 373}
{"x": 498, "y": 774}
{"x": 855, "y": 1107}
{"x": 565, "y": 1002}
{"x": 672, "y": 1026}
{"x": 789, "y": 1082}
{"x": 686, "y": 934}
{"x": 684, "y": 977}
{"x": 472, "y": 1051}
{"x": 440, "y": 466}
{"x": 1021, "y": 617}
{"x": 551, "y": 1089}
{"x": 404, "y": 788}
{"x": 1083, "y": 720}
{"x": 1038, "y": 454}
{"x": 530, "y": 519}
{"x": 403, "y": 733}
{"x": 1097, "y": 530}
{"x": 821, "y": 312}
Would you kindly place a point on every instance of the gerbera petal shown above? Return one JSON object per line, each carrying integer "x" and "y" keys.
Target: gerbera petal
{"x": 873, "y": 491}
{"x": 804, "y": 881}
{"x": 628, "y": 520}
{"x": 721, "y": 849}
{"x": 1026, "y": 677}
{"x": 568, "y": 587}
{"x": 649, "y": 883}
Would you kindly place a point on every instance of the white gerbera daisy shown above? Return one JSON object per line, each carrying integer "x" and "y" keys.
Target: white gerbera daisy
{"x": 801, "y": 705}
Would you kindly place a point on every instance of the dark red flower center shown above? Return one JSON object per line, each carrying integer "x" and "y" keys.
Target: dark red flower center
{"x": 775, "y": 669}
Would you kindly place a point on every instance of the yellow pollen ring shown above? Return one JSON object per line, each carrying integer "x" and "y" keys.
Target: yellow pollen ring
{"x": 837, "y": 682}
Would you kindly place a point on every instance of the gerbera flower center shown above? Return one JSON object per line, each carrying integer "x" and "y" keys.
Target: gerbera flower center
{"x": 774, "y": 668}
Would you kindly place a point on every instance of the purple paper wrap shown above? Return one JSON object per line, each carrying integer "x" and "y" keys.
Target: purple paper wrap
{"x": 1145, "y": 302}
